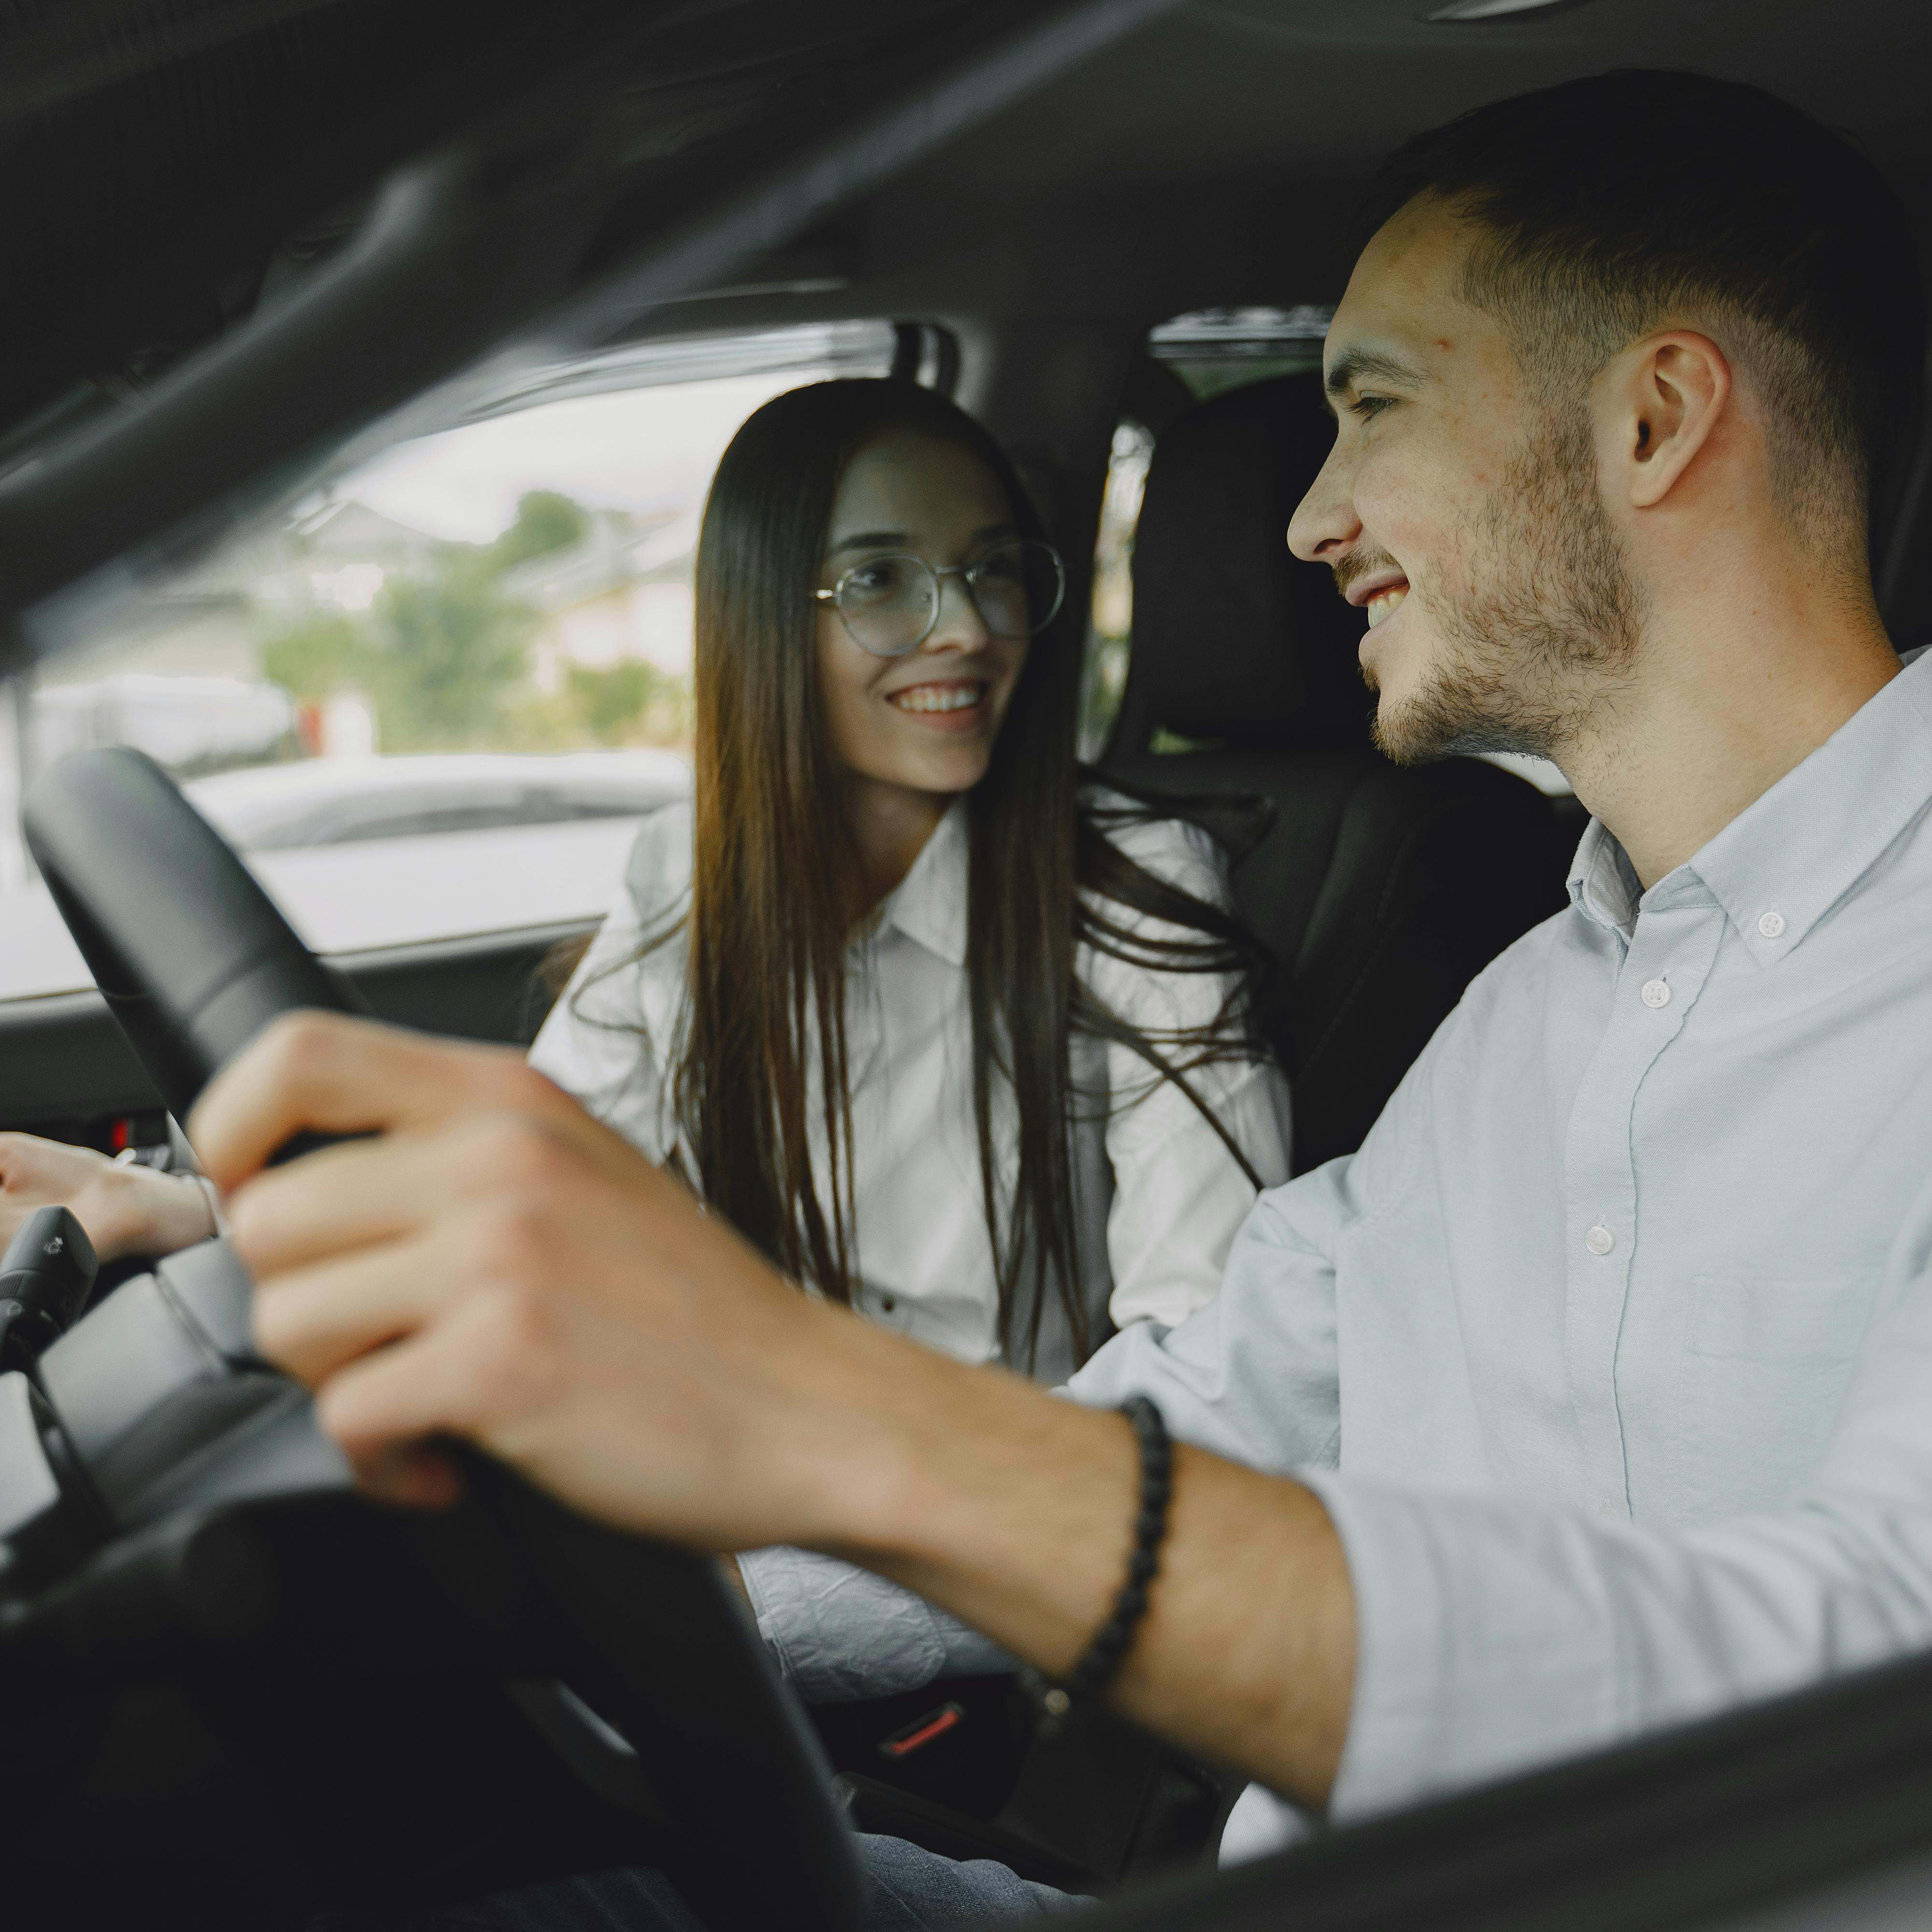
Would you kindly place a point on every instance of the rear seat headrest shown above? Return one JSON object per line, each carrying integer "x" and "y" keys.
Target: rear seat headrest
{"x": 1233, "y": 638}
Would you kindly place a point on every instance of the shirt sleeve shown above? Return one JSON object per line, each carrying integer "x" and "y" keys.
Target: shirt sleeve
{"x": 1179, "y": 1194}
{"x": 1253, "y": 1376}
{"x": 595, "y": 1044}
{"x": 1494, "y": 1634}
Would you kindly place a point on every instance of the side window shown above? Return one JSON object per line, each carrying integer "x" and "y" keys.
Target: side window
{"x": 1213, "y": 350}
{"x": 1110, "y": 629}
{"x": 431, "y": 696}
{"x": 1203, "y": 353}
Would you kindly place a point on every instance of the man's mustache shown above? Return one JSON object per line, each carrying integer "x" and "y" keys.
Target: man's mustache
{"x": 1358, "y": 564}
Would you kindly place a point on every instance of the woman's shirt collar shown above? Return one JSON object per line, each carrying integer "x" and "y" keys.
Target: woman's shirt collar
{"x": 929, "y": 905}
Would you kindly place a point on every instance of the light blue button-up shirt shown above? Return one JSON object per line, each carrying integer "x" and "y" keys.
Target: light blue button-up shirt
{"x": 1610, "y": 1352}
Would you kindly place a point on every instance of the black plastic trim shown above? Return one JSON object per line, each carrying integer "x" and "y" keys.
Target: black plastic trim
{"x": 1737, "y": 1813}
{"x": 63, "y": 1059}
{"x": 466, "y": 248}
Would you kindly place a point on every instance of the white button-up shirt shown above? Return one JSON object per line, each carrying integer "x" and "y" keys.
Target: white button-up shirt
{"x": 1160, "y": 1198}
{"x": 1610, "y": 1352}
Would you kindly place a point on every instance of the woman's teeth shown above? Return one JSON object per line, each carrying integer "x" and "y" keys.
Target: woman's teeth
{"x": 1385, "y": 601}
{"x": 938, "y": 697}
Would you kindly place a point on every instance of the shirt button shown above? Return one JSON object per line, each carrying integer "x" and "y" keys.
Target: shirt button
{"x": 1657, "y": 992}
{"x": 1771, "y": 924}
{"x": 887, "y": 1303}
{"x": 1600, "y": 1240}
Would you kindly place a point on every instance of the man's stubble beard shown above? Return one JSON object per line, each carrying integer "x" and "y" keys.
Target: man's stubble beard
{"x": 1546, "y": 623}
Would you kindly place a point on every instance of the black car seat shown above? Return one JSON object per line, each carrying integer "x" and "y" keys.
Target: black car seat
{"x": 1380, "y": 892}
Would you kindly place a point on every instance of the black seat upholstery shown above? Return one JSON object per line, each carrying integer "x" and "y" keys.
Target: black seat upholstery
{"x": 1381, "y": 892}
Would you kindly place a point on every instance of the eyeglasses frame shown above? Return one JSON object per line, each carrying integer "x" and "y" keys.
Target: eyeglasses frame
{"x": 940, "y": 572}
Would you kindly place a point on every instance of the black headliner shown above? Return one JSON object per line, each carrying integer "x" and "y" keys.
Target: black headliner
{"x": 160, "y": 149}
{"x": 1266, "y": 117}
{"x": 171, "y": 158}
{"x": 1325, "y": 88}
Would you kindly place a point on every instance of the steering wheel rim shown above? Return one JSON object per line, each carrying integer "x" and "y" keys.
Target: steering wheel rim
{"x": 192, "y": 957}
{"x": 192, "y": 974}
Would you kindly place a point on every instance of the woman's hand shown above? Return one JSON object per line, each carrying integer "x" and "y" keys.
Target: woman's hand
{"x": 498, "y": 1267}
{"x": 125, "y": 1210}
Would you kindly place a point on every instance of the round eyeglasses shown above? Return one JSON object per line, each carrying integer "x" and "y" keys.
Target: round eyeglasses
{"x": 889, "y": 604}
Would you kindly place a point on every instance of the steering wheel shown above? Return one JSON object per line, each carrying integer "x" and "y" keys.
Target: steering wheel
{"x": 420, "y": 1691}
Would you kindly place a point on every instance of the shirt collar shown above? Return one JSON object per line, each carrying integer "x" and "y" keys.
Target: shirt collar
{"x": 1604, "y": 885}
{"x": 929, "y": 905}
{"x": 1791, "y": 854}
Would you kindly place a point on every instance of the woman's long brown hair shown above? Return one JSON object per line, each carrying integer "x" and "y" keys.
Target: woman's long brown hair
{"x": 770, "y": 927}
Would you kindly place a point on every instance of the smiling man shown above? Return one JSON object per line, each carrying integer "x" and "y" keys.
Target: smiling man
{"x": 1590, "y": 1395}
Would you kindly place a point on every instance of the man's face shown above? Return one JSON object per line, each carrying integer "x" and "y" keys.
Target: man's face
{"x": 1462, "y": 510}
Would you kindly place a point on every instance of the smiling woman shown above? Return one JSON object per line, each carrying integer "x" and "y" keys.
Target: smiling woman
{"x": 953, "y": 1038}
{"x": 916, "y": 674}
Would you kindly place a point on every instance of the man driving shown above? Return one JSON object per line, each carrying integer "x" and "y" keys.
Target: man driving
{"x": 1588, "y": 1395}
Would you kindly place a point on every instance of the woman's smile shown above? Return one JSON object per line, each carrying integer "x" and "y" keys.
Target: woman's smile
{"x": 951, "y": 704}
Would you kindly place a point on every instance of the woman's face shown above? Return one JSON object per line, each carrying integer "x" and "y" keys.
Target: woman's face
{"x": 925, "y": 721}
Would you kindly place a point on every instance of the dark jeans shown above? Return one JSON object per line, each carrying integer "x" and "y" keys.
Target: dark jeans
{"x": 912, "y": 1891}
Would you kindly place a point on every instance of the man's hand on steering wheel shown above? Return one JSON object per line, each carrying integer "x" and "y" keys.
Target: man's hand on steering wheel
{"x": 494, "y": 1265}
{"x": 499, "y": 1267}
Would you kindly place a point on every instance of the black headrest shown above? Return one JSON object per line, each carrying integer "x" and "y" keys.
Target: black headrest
{"x": 1233, "y": 639}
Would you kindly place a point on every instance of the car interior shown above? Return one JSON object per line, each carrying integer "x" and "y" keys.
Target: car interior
{"x": 267, "y": 245}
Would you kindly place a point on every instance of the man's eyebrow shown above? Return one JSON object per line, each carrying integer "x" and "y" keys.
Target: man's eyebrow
{"x": 1348, "y": 368}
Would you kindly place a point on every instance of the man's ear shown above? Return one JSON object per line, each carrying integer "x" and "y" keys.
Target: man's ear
{"x": 1673, "y": 390}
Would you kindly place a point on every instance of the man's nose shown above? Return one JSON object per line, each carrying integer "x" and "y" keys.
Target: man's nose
{"x": 1324, "y": 524}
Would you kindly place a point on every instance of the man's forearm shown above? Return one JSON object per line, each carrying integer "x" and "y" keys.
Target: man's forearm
{"x": 1015, "y": 1512}
{"x": 499, "y": 1267}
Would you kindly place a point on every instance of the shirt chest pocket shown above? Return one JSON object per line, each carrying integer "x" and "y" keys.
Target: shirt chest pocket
{"x": 1765, "y": 1365}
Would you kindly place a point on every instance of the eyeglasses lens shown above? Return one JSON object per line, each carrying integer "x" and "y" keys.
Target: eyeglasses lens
{"x": 1017, "y": 588}
{"x": 888, "y": 603}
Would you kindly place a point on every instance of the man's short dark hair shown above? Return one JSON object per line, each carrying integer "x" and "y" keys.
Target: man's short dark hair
{"x": 1614, "y": 202}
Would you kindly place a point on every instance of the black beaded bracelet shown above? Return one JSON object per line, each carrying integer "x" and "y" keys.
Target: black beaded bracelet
{"x": 1105, "y": 1654}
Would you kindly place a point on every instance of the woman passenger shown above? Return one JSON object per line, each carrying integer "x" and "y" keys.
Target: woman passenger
{"x": 952, "y": 1035}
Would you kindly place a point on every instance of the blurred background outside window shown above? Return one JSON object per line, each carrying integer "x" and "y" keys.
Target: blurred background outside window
{"x": 433, "y": 694}
{"x": 1214, "y": 350}
{"x": 1110, "y": 633}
